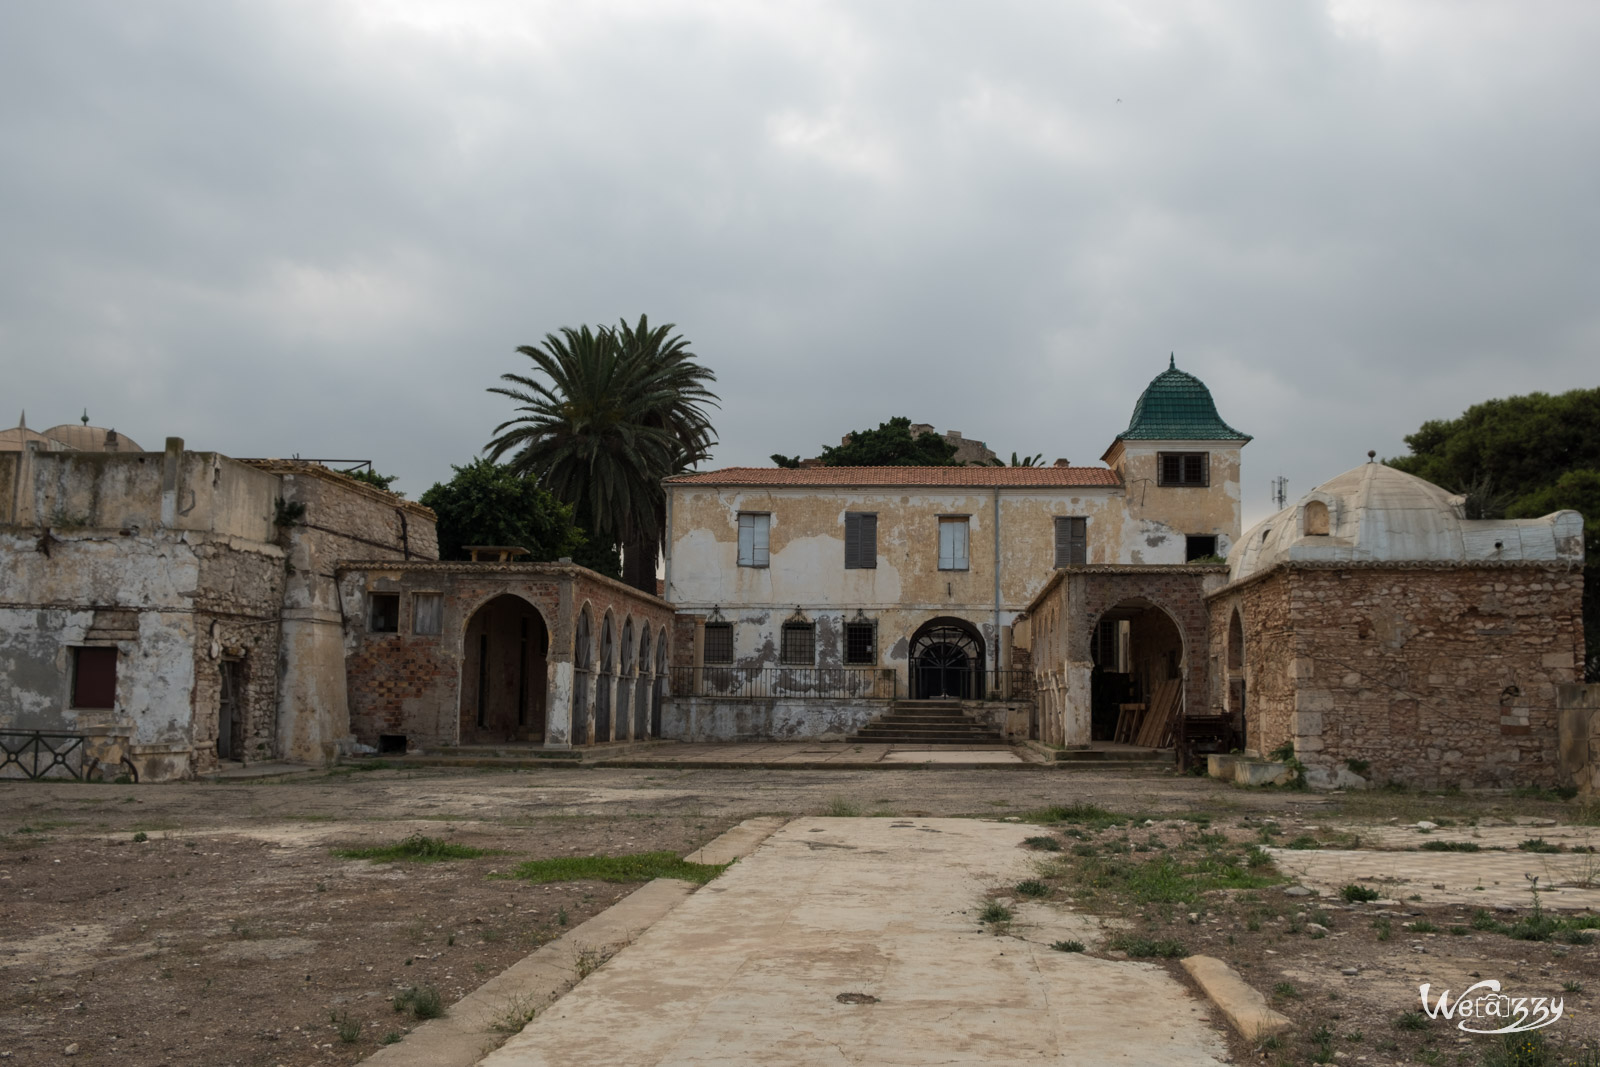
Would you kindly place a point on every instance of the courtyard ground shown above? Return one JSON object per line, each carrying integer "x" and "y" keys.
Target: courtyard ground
{"x": 214, "y": 922}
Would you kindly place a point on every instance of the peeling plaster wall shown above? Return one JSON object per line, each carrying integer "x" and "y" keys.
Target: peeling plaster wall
{"x": 709, "y": 719}
{"x": 1161, "y": 516}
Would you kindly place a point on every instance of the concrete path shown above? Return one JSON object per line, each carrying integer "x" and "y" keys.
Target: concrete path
{"x": 856, "y": 941}
{"x": 1481, "y": 879}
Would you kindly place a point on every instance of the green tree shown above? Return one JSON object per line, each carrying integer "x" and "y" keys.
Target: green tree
{"x": 614, "y": 411}
{"x": 374, "y": 479}
{"x": 1026, "y": 461}
{"x": 1522, "y": 457}
{"x": 485, "y": 503}
{"x": 890, "y": 445}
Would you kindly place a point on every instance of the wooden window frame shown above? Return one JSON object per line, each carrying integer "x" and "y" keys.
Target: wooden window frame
{"x": 1192, "y": 470}
{"x": 756, "y": 554}
{"x": 372, "y": 613}
{"x": 860, "y": 540}
{"x": 964, "y": 561}
{"x": 1072, "y": 540}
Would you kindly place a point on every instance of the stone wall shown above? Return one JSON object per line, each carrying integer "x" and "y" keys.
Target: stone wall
{"x": 1427, "y": 675}
{"x": 1269, "y": 649}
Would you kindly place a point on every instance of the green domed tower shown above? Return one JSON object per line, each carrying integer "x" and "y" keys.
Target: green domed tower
{"x": 1179, "y": 464}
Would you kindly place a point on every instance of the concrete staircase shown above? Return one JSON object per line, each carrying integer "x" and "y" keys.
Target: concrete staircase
{"x": 928, "y": 722}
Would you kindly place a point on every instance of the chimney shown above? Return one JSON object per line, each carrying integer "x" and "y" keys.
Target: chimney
{"x": 1063, "y": 462}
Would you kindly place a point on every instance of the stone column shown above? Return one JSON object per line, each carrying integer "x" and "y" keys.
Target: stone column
{"x": 559, "y": 675}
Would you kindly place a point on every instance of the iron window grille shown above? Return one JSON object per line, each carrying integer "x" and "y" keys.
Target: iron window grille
{"x": 754, "y": 528}
{"x": 1072, "y": 541}
{"x": 799, "y": 644}
{"x": 719, "y": 642}
{"x": 860, "y": 541}
{"x": 860, "y": 643}
{"x": 1183, "y": 469}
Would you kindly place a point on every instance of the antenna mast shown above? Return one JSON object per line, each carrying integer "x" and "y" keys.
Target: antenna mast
{"x": 1280, "y": 492}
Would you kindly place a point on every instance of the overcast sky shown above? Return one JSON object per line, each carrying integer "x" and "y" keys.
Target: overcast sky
{"x": 324, "y": 227}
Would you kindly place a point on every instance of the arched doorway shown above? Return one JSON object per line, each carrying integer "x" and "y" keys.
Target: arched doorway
{"x": 582, "y": 676}
{"x": 605, "y": 690}
{"x": 947, "y": 661}
{"x": 1136, "y": 648}
{"x": 625, "y": 684}
{"x": 503, "y": 673}
{"x": 641, "y": 700}
{"x": 661, "y": 684}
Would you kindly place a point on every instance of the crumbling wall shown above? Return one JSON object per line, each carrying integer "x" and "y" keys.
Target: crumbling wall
{"x": 1433, "y": 675}
{"x": 1271, "y": 657}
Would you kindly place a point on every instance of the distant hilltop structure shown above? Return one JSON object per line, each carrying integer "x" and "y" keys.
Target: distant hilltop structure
{"x": 68, "y": 437}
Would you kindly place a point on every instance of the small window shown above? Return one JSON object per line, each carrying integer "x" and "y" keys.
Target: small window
{"x": 753, "y": 530}
{"x": 719, "y": 642}
{"x": 799, "y": 644}
{"x": 860, "y": 643}
{"x": 953, "y": 544}
{"x": 1199, "y": 548}
{"x": 1316, "y": 519}
{"x": 1072, "y": 541}
{"x": 860, "y": 541}
{"x": 94, "y": 677}
{"x": 427, "y": 613}
{"x": 1184, "y": 468}
{"x": 383, "y": 613}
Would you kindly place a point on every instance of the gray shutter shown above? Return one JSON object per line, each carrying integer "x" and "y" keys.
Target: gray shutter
{"x": 1078, "y": 540}
{"x": 1063, "y": 542}
{"x": 868, "y": 546}
{"x": 852, "y": 541}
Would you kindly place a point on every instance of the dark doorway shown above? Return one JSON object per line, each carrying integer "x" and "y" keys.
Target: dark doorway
{"x": 605, "y": 689}
{"x": 660, "y": 686}
{"x": 1136, "y": 648}
{"x": 947, "y": 661}
{"x": 230, "y": 712}
{"x": 503, "y": 673}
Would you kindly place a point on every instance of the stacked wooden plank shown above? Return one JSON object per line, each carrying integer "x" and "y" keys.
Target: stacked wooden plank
{"x": 1161, "y": 721}
{"x": 1129, "y": 716}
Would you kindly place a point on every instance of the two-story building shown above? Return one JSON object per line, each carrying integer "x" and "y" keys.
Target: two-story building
{"x": 808, "y": 597}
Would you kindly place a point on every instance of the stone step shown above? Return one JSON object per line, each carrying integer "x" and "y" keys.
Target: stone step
{"x": 896, "y": 739}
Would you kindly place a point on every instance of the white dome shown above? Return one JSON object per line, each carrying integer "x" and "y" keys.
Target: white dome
{"x": 1376, "y": 513}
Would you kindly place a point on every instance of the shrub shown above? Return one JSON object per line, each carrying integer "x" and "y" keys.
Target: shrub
{"x": 1353, "y": 893}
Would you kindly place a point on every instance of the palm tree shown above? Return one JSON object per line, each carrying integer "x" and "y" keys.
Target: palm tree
{"x": 621, "y": 409}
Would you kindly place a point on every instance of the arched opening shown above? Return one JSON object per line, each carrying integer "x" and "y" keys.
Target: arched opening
{"x": 1137, "y": 652}
{"x": 1316, "y": 518}
{"x": 947, "y": 661}
{"x": 641, "y": 700}
{"x": 661, "y": 683}
{"x": 503, "y": 673}
{"x": 625, "y": 684}
{"x": 1236, "y": 684}
{"x": 582, "y": 676}
{"x": 606, "y": 682}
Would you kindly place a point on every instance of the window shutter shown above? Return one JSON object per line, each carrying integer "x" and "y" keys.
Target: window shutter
{"x": 762, "y": 530}
{"x": 868, "y": 549}
{"x": 946, "y": 546}
{"x": 1063, "y": 542}
{"x": 1078, "y": 541}
{"x": 747, "y": 541}
{"x": 852, "y": 541}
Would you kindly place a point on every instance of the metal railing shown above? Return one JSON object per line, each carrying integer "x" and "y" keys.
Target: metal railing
{"x": 762, "y": 683}
{"x": 958, "y": 683}
{"x": 37, "y": 753}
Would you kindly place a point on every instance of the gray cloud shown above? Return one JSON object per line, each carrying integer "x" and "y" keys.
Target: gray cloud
{"x": 324, "y": 227}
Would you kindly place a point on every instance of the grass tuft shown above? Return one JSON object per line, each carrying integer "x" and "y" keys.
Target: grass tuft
{"x": 1353, "y": 893}
{"x": 639, "y": 867}
{"x": 1138, "y": 947}
{"x": 1070, "y": 945}
{"x": 422, "y": 1001}
{"x": 415, "y": 849}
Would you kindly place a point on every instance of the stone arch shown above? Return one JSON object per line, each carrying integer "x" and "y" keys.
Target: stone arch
{"x": 504, "y": 671}
{"x": 1137, "y": 646}
{"x": 627, "y": 662}
{"x": 582, "y": 674}
{"x": 660, "y": 690}
{"x": 641, "y": 696}
{"x": 947, "y": 659}
{"x": 605, "y": 679}
{"x": 1316, "y": 519}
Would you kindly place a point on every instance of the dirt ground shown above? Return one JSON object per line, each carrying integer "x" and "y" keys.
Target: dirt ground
{"x": 232, "y": 934}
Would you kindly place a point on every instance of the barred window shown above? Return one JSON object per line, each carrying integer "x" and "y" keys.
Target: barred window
{"x": 860, "y": 643}
{"x": 719, "y": 642}
{"x": 799, "y": 644}
{"x": 427, "y": 613}
{"x": 1183, "y": 468}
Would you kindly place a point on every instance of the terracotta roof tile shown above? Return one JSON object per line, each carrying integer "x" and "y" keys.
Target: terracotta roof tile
{"x": 932, "y": 477}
